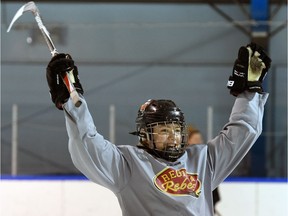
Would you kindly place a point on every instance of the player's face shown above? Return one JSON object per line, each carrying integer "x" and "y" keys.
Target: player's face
{"x": 167, "y": 136}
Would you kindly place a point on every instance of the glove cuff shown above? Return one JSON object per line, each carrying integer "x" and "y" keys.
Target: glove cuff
{"x": 255, "y": 86}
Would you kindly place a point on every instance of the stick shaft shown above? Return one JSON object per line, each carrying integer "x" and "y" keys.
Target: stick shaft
{"x": 67, "y": 81}
{"x": 45, "y": 34}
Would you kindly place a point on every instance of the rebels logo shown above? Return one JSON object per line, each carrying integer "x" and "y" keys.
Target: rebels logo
{"x": 178, "y": 182}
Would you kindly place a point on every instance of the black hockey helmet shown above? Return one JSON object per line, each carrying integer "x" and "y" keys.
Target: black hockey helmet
{"x": 155, "y": 112}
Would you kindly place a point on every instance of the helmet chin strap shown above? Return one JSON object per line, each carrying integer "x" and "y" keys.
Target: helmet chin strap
{"x": 170, "y": 155}
{"x": 171, "y": 152}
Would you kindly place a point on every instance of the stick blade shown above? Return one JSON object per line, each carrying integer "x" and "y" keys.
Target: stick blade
{"x": 30, "y": 6}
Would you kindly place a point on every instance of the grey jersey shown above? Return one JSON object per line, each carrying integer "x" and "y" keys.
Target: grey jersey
{"x": 145, "y": 185}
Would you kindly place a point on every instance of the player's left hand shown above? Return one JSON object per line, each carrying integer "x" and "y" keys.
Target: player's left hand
{"x": 250, "y": 69}
{"x": 57, "y": 67}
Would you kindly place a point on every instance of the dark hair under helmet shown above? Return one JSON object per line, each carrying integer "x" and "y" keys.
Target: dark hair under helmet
{"x": 155, "y": 112}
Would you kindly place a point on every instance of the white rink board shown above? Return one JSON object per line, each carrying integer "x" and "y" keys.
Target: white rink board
{"x": 81, "y": 197}
{"x": 56, "y": 198}
{"x": 253, "y": 199}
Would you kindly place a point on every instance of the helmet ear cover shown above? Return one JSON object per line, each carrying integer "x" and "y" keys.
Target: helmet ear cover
{"x": 145, "y": 137}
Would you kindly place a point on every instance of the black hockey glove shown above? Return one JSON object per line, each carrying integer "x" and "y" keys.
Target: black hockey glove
{"x": 250, "y": 68}
{"x": 59, "y": 65}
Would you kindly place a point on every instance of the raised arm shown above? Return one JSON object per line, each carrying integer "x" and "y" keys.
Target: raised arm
{"x": 98, "y": 159}
{"x": 245, "y": 122}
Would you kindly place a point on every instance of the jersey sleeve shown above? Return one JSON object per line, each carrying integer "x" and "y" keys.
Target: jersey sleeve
{"x": 98, "y": 159}
{"x": 227, "y": 149}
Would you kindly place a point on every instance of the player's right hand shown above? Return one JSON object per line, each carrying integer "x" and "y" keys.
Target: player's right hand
{"x": 250, "y": 68}
{"x": 57, "y": 67}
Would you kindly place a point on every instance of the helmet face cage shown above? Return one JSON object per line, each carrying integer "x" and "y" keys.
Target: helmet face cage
{"x": 162, "y": 112}
{"x": 171, "y": 150}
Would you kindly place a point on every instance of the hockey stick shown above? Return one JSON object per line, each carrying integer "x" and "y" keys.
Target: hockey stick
{"x": 30, "y": 6}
